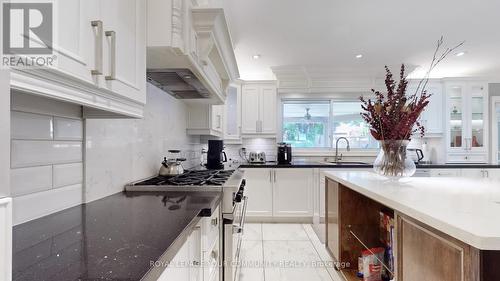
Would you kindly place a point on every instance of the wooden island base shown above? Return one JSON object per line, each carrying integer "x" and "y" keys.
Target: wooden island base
{"x": 421, "y": 252}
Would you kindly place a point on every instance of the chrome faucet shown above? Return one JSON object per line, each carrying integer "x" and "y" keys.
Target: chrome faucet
{"x": 337, "y": 158}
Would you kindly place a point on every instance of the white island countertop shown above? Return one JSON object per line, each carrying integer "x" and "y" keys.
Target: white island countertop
{"x": 466, "y": 209}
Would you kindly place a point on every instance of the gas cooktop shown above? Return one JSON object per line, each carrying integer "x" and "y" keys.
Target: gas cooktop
{"x": 190, "y": 178}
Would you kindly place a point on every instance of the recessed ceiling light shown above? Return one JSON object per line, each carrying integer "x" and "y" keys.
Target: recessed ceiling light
{"x": 459, "y": 54}
{"x": 187, "y": 77}
{"x": 256, "y": 57}
{"x": 359, "y": 56}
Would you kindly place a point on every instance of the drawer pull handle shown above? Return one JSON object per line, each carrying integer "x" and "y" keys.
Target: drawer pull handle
{"x": 112, "y": 55}
{"x": 97, "y": 24}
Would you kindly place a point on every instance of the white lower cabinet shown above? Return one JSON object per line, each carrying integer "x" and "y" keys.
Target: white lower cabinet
{"x": 198, "y": 258}
{"x": 259, "y": 190}
{"x": 492, "y": 174}
{"x": 292, "y": 193}
{"x": 185, "y": 266}
{"x": 279, "y": 192}
{"x": 445, "y": 172}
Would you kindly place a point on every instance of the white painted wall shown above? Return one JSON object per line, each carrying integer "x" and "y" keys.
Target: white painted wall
{"x": 46, "y": 156}
{"x": 125, "y": 150}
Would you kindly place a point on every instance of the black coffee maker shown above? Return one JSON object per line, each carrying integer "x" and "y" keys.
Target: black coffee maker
{"x": 216, "y": 155}
{"x": 284, "y": 153}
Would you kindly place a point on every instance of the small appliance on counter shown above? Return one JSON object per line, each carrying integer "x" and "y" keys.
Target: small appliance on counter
{"x": 172, "y": 165}
{"x": 284, "y": 153}
{"x": 216, "y": 155}
{"x": 257, "y": 158}
{"x": 415, "y": 154}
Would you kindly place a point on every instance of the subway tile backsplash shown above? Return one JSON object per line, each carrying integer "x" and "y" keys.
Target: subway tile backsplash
{"x": 46, "y": 156}
{"x": 27, "y": 153}
{"x": 31, "y": 126}
{"x": 30, "y": 180}
{"x": 67, "y": 174}
{"x": 68, "y": 129}
{"x": 35, "y": 205}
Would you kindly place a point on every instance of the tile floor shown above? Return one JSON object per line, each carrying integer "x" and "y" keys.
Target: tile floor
{"x": 284, "y": 252}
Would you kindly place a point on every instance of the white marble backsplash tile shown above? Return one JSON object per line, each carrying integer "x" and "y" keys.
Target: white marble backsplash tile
{"x": 122, "y": 151}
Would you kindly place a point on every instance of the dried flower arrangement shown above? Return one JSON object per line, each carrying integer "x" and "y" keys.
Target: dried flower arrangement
{"x": 393, "y": 116}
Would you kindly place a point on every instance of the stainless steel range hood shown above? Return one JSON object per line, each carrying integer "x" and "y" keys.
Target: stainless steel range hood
{"x": 179, "y": 82}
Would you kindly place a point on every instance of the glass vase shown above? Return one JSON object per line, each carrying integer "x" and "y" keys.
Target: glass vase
{"x": 392, "y": 161}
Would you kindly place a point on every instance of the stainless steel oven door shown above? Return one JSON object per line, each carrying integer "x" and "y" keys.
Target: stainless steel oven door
{"x": 233, "y": 232}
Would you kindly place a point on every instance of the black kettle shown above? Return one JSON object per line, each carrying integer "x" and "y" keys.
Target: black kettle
{"x": 415, "y": 154}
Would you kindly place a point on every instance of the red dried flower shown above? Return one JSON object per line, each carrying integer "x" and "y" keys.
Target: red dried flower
{"x": 394, "y": 115}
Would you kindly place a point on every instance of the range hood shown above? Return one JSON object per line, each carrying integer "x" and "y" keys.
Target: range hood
{"x": 190, "y": 54}
{"x": 180, "y": 83}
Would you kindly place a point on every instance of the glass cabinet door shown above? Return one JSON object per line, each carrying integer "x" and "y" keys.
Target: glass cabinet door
{"x": 232, "y": 104}
{"x": 456, "y": 123}
{"x": 475, "y": 138}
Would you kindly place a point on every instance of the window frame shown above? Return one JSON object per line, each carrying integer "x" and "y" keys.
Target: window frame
{"x": 330, "y": 101}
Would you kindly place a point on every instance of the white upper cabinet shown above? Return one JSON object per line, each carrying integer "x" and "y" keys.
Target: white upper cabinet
{"x": 94, "y": 40}
{"x": 432, "y": 118}
{"x": 73, "y": 49}
{"x": 124, "y": 53}
{"x": 258, "y": 109}
{"x": 249, "y": 109}
{"x": 466, "y": 122}
{"x": 205, "y": 120}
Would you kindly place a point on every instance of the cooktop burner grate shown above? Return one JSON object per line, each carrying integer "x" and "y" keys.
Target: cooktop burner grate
{"x": 191, "y": 178}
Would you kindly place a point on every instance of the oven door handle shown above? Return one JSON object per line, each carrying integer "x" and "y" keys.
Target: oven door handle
{"x": 239, "y": 228}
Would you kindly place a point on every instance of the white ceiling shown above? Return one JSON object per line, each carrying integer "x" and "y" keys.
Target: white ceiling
{"x": 387, "y": 32}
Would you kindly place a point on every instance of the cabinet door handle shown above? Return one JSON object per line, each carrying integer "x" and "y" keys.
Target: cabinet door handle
{"x": 97, "y": 25}
{"x": 112, "y": 55}
{"x": 270, "y": 175}
{"x": 487, "y": 173}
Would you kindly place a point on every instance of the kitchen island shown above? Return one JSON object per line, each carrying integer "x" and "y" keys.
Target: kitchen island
{"x": 444, "y": 228}
{"x": 118, "y": 237}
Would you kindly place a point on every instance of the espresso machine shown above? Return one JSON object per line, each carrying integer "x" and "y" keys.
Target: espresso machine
{"x": 216, "y": 155}
{"x": 284, "y": 153}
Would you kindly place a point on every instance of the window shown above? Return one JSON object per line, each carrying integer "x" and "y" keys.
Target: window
{"x": 347, "y": 122}
{"x": 305, "y": 124}
{"x": 318, "y": 124}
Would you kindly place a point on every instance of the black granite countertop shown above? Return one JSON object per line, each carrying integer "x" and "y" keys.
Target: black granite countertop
{"x": 347, "y": 164}
{"x": 114, "y": 238}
